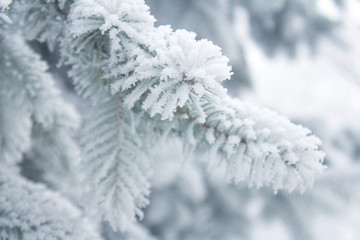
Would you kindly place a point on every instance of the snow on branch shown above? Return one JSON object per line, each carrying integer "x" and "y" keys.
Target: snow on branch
{"x": 44, "y": 20}
{"x": 4, "y": 5}
{"x": 30, "y": 211}
{"x": 257, "y": 145}
{"x": 168, "y": 76}
{"x": 117, "y": 169}
{"x": 32, "y": 112}
{"x": 170, "y": 73}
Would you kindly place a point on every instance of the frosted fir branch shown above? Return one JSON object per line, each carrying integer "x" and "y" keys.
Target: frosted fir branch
{"x": 171, "y": 73}
{"x": 214, "y": 20}
{"x": 4, "y": 6}
{"x": 34, "y": 109}
{"x": 14, "y": 105}
{"x": 55, "y": 152}
{"x": 273, "y": 151}
{"x": 113, "y": 46}
{"x": 85, "y": 48}
{"x": 44, "y": 20}
{"x": 13, "y": 143}
{"x": 117, "y": 169}
{"x": 30, "y": 211}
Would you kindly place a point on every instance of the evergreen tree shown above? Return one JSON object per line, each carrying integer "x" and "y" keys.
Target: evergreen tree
{"x": 147, "y": 84}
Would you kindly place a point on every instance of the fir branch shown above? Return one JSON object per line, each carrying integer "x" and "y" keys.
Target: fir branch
{"x": 30, "y": 211}
{"x": 113, "y": 47}
{"x": 117, "y": 170}
{"x": 35, "y": 112}
{"x": 168, "y": 73}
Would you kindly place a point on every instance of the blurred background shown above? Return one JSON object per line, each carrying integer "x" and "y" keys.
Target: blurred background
{"x": 300, "y": 58}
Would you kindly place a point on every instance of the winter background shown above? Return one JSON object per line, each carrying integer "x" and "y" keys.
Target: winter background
{"x": 300, "y": 58}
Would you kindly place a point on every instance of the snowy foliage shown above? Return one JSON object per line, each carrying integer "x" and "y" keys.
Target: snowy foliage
{"x": 44, "y": 20}
{"x": 143, "y": 81}
{"x": 34, "y": 117}
{"x": 155, "y": 69}
{"x": 187, "y": 203}
{"x": 276, "y": 26}
{"x": 116, "y": 166}
{"x": 30, "y": 211}
{"x": 215, "y": 20}
{"x": 146, "y": 84}
{"x": 4, "y": 5}
{"x": 34, "y": 107}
